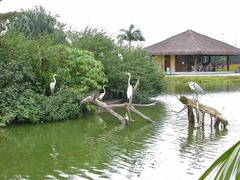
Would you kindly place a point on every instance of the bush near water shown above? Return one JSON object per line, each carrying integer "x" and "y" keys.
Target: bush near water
{"x": 30, "y": 56}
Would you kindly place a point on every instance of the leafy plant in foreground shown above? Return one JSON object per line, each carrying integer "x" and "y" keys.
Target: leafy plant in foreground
{"x": 227, "y": 166}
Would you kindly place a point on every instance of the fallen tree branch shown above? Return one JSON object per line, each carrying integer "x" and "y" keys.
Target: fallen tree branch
{"x": 129, "y": 107}
{"x": 133, "y": 109}
{"x": 127, "y": 104}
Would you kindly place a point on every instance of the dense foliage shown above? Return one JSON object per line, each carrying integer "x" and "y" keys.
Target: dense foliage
{"x": 135, "y": 61}
{"x": 35, "y": 47}
{"x": 27, "y": 66}
{"x": 36, "y": 22}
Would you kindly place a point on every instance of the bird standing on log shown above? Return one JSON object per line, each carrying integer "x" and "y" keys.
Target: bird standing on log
{"x": 100, "y": 97}
{"x": 53, "y": 84}
{"x": 130, "y": 88}
{"x": 197, "y": 88}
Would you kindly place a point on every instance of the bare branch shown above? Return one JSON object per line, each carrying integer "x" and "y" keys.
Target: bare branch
{"x": 133, "y": 109}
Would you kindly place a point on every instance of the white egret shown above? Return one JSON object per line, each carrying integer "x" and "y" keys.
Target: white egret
{"x": 102, "y": 94}
{"x": 5, "y": 28}
{"x": 196, "y": 87}
{"x": 120, "y": 56}
{"x": 68, "y": 39}
{"x": 130, "y": 88}
{"x": 53, "y": 84}
{"x": 102, "y": 55}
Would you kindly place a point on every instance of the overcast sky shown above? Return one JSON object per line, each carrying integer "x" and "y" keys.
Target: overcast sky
{"x": 157, "y": 19}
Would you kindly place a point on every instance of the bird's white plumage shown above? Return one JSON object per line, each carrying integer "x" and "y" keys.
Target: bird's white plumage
{"x": 120, "y": 56}
{"x": 53, "y": 84}
{"x": 102, "y": 94}
{"x": 5, "y": 29}
{"x": 130, "y": 88}
{"x": 196, "y": 87}
{"x": 129, "y": 91}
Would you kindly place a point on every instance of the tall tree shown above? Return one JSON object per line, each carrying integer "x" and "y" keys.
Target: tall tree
{"x": 37, "y": 21}
{"x": 130, "y": 35}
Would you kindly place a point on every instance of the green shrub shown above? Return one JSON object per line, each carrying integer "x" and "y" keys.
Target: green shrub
{"x": 62, "y": 106}
{"x": 26, "y": 108}
{"x": 141, "y": 66}
{"x": 136, "y": 61}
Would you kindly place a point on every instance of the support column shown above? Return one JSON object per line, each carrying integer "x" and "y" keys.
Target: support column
{"x": 227, "y": 63}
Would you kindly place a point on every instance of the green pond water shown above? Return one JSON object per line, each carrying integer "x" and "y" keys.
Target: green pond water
{"x": 99, "y": 147}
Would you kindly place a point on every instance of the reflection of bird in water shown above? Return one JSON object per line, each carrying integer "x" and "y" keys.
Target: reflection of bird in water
{"x": 54, "y": 153}
{"x": 197, "y": 88}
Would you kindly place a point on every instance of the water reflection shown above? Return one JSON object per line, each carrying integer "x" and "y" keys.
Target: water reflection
{"x": 98, "y": 147}
{"x": 198, "y": 144}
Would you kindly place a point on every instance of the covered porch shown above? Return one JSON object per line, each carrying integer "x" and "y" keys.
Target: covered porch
{"x": 201, "y": 63}
{"x": 194, "y": 52}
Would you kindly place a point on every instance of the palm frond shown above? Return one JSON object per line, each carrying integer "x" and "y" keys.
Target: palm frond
{"x": 227, "y": 166}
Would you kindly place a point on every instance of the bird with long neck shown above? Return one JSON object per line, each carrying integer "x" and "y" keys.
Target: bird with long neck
{"x": 196, "y": 88}
{"x": 53, "y": 84}
{"x": 5, "y": 29}
{"x": 102, "y": 94}
{"x": 130, "y": 88}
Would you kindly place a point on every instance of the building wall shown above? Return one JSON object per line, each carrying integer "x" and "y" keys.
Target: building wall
{"x": 173, "y": 63}
{"x": 159, "y": 60}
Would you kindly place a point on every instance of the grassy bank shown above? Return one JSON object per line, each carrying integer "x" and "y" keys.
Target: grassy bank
{"x": 209, "y": 83}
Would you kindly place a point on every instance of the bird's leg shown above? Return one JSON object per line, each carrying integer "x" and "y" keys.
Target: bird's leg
{"x": 196, "y": 98}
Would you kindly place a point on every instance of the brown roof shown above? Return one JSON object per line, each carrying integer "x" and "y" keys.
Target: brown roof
{"x": 192, "y": 43}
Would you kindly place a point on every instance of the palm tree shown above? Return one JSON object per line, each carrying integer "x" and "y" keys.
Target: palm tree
{"x": 130, "y": 35}
{"x": 37, "y": 21}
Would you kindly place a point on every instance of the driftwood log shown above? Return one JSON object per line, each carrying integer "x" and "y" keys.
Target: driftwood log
{"x": 130, "y": 107}
{"x": 201, "y": 110}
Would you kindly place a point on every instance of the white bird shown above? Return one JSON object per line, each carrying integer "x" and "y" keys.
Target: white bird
{"x": 5, "y": 28}
{"x": 53, "y": 84}
{"x": 130, "y": 88}
{"x": 102, "y": 55}
{"x": 196, "y": 87}
{"x": 102, "y": 94}
{"x": 120, "y": 56}
{"x": 68, "y": 39}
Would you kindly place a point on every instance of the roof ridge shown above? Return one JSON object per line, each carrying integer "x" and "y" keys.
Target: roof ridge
{"x": 196, "y": 43}
{"x": 190, "y": 42}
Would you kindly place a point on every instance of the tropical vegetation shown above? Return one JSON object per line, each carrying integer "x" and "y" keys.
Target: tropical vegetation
{"x": 130, "y": 35}
{"x": 227, "y": 166}
{"x": 37, "y": 45}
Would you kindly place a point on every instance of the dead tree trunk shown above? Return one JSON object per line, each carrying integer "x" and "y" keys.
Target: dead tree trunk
{"x": 201, "y": 110}
{"x": 109, "y": 107}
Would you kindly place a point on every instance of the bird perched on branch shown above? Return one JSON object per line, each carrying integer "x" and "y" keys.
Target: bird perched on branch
{"x": 130, "y": 88}
{"x": 120, "y": 56}
{"x": 196, "y": 88}
{"x": 100, "y": 97}
{"x": 5, "y": 27}
{"x": 53, "y": 84}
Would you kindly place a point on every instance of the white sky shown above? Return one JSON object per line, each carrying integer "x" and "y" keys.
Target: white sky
{"x": 157, "y": 19}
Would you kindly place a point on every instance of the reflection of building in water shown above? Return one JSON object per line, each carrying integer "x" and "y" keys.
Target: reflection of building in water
{"x": 191, "y": 51}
